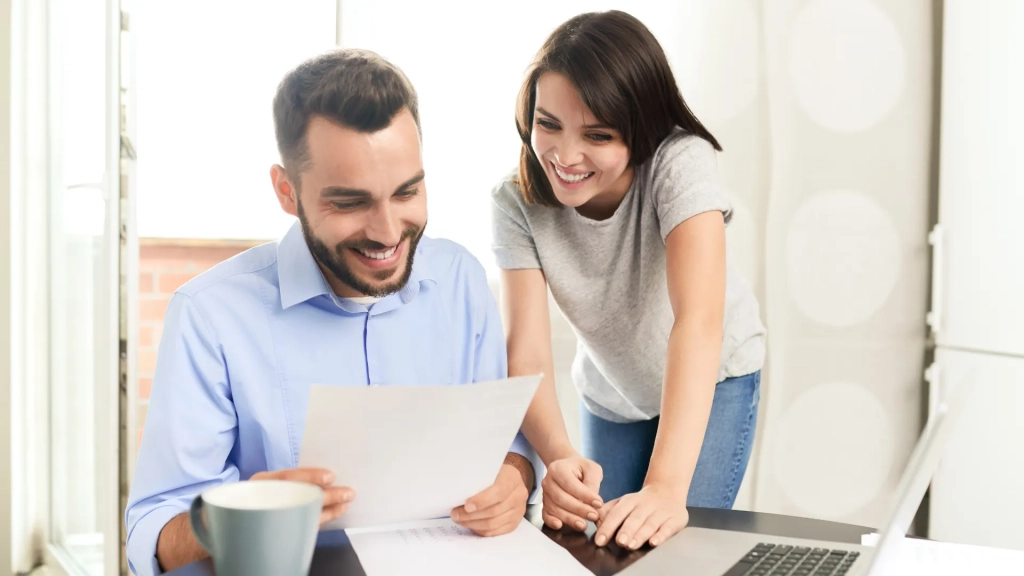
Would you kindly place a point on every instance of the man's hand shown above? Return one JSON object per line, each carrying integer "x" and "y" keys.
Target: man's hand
{"x": 177, "y": 546}
{"x": 498, "y": 509}
{"x": 571, "y": 495}
{"x": 652, "y": 515}
{"x": 336, "y": 498}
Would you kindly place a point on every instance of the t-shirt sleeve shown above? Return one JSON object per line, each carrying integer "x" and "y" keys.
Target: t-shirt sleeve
{"x": 512, "y": 240}
{"x": 685, "y": 182}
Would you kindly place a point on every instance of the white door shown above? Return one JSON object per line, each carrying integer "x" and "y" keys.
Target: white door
{"x": 977, "y": 494}
{"x": 979, "y": 254}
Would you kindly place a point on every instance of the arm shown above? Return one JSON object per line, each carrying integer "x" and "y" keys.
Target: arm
{"x": 500, "y": 508}
{"x": 177, "y": 546}
{"x": 571, "y": 487}
{"x": 190, "y": 430}
{"x": 695, "y": 260}
{"x": 524, "y": 299}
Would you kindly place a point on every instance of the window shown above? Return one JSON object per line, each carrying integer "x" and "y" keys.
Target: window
{"x": 206, "y": 74}
{"x": 83, "y": 273}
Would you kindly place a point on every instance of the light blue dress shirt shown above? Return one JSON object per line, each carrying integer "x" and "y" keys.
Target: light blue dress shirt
{"x": 243, "y": 342}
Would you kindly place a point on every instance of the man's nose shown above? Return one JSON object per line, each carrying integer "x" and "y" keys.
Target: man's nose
{"x": 384, "y": 226}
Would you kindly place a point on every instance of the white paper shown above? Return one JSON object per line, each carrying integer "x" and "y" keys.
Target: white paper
{"x": 412, "y": 453}
{"x": 444, "y": 547}
{"x": 917, "y": 557}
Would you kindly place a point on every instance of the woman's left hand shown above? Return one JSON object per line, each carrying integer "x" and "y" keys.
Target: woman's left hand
{"x": 653, "y": 515}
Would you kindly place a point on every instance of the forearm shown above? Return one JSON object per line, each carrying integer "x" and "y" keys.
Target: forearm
{"x": 691, "y": 371}
{"x": 521, "y": 464}
{"x": 177, "y": 546}
{"x": 543, "y": 425}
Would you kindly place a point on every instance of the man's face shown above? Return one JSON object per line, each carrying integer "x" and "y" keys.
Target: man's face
{"x": 362, "y": 204}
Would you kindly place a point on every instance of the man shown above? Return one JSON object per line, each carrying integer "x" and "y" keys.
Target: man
{"x": 353, "y": 295}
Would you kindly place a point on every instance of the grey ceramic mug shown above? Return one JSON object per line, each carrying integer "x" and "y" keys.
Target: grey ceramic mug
{"x": 259, "y": 527}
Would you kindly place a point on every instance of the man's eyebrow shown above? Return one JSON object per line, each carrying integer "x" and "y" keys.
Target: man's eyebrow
{"x": 588, "y": 126}
{"x": 411, "y": 181}
{"x": 341, "y": 192}
{"x": 347, "y": 193}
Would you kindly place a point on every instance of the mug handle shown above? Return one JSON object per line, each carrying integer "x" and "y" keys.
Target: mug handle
{"x": 195, "y": 516}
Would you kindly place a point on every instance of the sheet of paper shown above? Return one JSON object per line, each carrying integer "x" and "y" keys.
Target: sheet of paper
{"x": 444, "y": 547}
{"x": 412, "y": 452}
{"x": 917, "y": 557}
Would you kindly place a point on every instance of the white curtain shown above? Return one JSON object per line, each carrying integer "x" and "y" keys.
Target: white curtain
{"x": 824, "y": 110}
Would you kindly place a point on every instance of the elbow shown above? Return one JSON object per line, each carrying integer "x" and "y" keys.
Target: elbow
{"x": 703, "y": 325}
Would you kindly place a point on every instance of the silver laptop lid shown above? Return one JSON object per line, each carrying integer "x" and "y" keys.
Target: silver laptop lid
{"x": 920, "y": 468}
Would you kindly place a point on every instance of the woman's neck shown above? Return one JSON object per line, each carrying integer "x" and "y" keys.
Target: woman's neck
{"x": 604, "y": 204}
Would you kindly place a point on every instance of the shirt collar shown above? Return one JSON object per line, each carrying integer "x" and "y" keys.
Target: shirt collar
{"x": 300, "y": 277}
{"x": 298, "y": 274}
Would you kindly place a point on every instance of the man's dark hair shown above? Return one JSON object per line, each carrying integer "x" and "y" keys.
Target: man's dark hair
{"x": 354, "y": 88}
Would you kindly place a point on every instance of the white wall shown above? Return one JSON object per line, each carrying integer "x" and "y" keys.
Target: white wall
{"x": 5, "y": 289}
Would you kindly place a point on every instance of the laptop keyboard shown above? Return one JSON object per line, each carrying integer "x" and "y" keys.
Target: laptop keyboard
{"x": 778, "y": 560}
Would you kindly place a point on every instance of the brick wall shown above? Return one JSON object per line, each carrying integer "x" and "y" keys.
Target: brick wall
{"x": 164, "y": 265}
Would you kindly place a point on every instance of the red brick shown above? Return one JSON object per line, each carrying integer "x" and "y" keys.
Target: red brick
{"x": 145, "y": 337}
{"x": 147, "y": 362}
{"x": 153, "y": 308}
{"x": 145, "y": 283}
{"x": 169, "y": 282}
{"x": 157, "y": 330}
{"x": 145, "y": 387}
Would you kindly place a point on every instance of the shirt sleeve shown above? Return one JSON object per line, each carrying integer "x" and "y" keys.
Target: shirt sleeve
{"x": 512, "y": 241}
{"x": 189, "y": 433}
{"x": 492, "y": 364}
{"x": 686, "y": 182}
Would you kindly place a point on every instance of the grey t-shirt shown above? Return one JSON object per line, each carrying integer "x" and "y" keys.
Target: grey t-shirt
{"x": 609, "y": 277}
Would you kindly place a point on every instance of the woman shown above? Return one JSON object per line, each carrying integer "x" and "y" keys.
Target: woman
{"x": 618, "y": 208}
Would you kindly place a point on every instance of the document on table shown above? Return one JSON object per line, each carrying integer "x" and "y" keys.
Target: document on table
{"x": 917, "y": 557}
{"x": 444, "y": 547}
{"x": 412, "y": 452}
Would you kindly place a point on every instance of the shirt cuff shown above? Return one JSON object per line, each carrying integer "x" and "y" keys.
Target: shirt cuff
{"x": 522, "y": 447}
{"x": 141, "y": 545}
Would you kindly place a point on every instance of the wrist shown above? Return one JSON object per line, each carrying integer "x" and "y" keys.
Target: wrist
{"x": 523, "y": 467}
{"x": 557, "y": 451}
{"x": 668, "y": 480}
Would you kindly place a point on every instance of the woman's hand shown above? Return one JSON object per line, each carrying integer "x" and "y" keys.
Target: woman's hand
{"x": 571, "y": 493}
{"x": 654, "y": 514}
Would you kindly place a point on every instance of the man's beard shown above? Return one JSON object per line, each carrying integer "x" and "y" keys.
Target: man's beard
{"x": 335, "y": 261}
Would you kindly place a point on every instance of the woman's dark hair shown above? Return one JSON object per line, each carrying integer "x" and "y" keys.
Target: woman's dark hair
{"x": 621, "y": 74}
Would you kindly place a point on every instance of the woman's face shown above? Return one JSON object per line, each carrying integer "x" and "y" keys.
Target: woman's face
{"x": 586, "y": 161}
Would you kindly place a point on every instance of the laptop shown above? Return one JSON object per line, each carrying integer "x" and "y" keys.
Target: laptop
{"x": 710, "y": 552}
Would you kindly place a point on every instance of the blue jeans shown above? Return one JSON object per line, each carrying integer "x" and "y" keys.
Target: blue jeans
{"x": 624, "y": 450}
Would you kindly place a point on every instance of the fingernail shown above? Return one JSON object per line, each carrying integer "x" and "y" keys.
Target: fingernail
{"x": 581, "y": 525}
{"x": 455, "y": 515}
{"x": 622, "y": 540}
{"x": 470, "y": 507}
{"x": 632, "y": 544}
{"x": 347, "y": 496}
{"x": 654, "y": 541}
{"x": 597, "y": 503}
{"x": 328, "y": 478}
{"x": 592, "y": 516}
{"x": 600, "y": 540}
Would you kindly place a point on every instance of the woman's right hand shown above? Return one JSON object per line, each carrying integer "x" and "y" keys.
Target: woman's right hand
{"x": 571, "y": 492}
